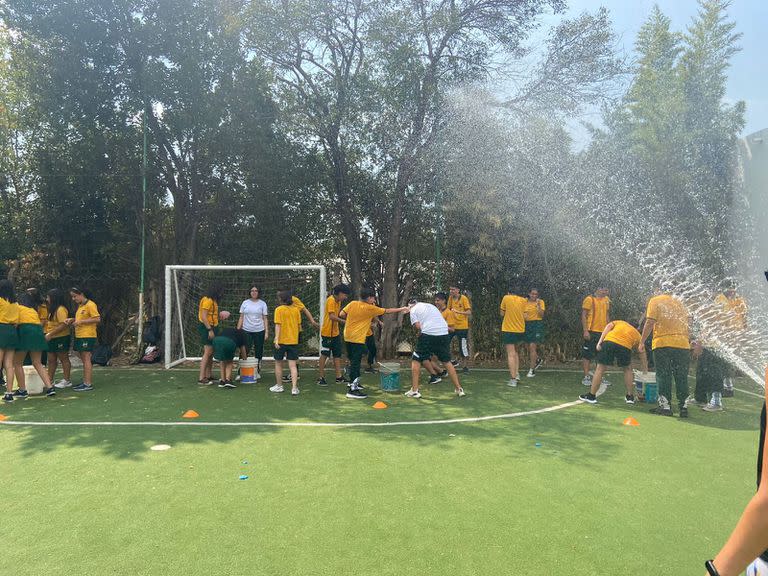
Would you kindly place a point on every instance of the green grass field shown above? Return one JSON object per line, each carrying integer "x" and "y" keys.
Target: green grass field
{"x": 480, "y": 498}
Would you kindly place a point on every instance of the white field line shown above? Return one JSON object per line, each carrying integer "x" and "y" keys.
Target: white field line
{"x": 304, "y": 424}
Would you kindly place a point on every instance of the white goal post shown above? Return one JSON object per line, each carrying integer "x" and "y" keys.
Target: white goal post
{"x": 185, "y": 285}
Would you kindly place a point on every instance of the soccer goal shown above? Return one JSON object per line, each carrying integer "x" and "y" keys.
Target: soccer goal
{"x": 186, "y": 285}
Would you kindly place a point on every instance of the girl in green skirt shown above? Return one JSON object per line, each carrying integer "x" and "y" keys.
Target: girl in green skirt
{"x": 31, "y": 341}
{"x": 57, "y": 333}
{"x": 9, "y": 339}
{"x": 85, "y": 321}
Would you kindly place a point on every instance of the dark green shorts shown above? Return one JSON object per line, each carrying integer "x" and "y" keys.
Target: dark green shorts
{"x": 428, "y": 345}
{"x": 203, "y": 332}
{"x": 588, "y": 347}
{"x": 9, "y": 337}
{"x": 84, "y": 344}
{"x": 610, "y": 352}
{"x": 58, "y": 345}
{"x": 512, "y": 337}
{"x": 31, "y": 338}
{"x": 534, "y": 331}
{"x": 287, "y": 352}
{"x": 331, "y": 346}
{"x": 223, "y": 349}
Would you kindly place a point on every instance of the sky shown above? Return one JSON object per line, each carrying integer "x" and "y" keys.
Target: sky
{"x": 747, "y": 79}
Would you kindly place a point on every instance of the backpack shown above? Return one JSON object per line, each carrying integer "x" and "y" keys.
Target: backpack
{"x": 151, "y": 355}
{"x": 102, "y": 354}
{"x": 152, "y": 330}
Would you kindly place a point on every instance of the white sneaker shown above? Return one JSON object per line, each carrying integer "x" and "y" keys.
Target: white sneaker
{"x": 460, "y": 392}
{"x": 413, "y": 394}
{"x": 587, "y": 381}
{"x": 512, "y": 382}
{"x": 294, "y": 392}
{"x": 276, "y": 388}
{"x": 602, "y": 388}
{"x": 63, "y": 384}
{"x": 691, "y": 401}
{"x": 257, "y": 376}
{"x": 712, "y": 407}
{"x": 237, "y": 378}
{"x": 531, "y": 374}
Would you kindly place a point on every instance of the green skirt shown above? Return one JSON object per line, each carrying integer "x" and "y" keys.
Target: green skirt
{"x": 9, "y": 337}
{"x": 31, "y": 338}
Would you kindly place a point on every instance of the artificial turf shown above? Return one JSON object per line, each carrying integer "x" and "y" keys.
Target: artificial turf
{"x": 570, "y": 491}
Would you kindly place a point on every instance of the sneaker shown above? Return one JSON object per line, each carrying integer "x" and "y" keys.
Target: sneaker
{"x": 20, "y": 393}
{"x": 8, "y": 397}
{"x": 371, "y": 370}
{"x": 683, "y": 412}
{"x": 322, "y": 382}
{"x": 663, "y": 408}
{"x": 691, "y": 401}
{"x": 342, "y": 379}
{"x": 221, "y": 383}
{"x": 727, "y": 392}
{"x": 413, "y": 394}
{"x": 228, "y": 384}
{"x": 512, "y": 382}
{"x": 455, "y": 363}
{"x": 606, "y": 381}
{"x": 276, "y": 388}
{"x": 286, "y": 377}
{"x": 203, "y": 382}
{"x": 443, "y": 374}
{"x": 539, "y": 362}
{"x": 257, "y": 376}
{"x": 587, "y": 381}
{"x": 50, "y": 391}
{"x": 629, "y": 399}
{"x": 82, "y": 387}
{"x": 531, "y": 373}
{"x": 294, "y": 392}
{"x": 356, "y": 393}
{"x": 237, "y": 378}
{"x": 63, "y": 384}
{"x": 589, "y": 398}
{"x": 712, "y": 407}
{"x": 460, "y": 393}
{"x": 435, "y": 379}
{"x": 602, "y": 388}
{"x": 465, "y": 370}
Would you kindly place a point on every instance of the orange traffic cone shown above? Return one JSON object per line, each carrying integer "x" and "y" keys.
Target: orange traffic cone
{"x": 3, "y": 417}
{"x": 631, "y": 422}
{"x": 190, "y": 414}
{"x": 380, "y": 405}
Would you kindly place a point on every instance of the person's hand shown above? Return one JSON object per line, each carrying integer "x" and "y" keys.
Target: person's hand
{"x": 587, "y": 335}
{"x": 276, "y": 344}
{"x": 69, "y": 321}
{"x": 315, "y": 324}
{"x": 47, "y": 336}
{"x": 210, "y": 334}
{"x": 641, "y": 347}
{"x": 599, "y": 347}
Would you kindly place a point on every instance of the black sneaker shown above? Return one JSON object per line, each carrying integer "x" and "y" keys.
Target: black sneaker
{"x": 661, "y": 411}
{"x": 727, "y": 392}
{"x": 539, "y": 362}
{"x": 221, "y": 383}
{"x": 683, "y": 412}
{"x": 21, "y": 393}
{"x": 228, "y": 384}
{"x": 322, "y": 382}
{"x": 343, "y": 380}
{"x": 455, "y": 363}
{"x": 588, "y": 398}
{"x": 444, "y": 374}
{"x": 50, "y": 391}
{"x": 286, "y": 377}
{"x": 371, "y": 370}
{"x": 629, "y": 399}
{"x": 465, "y": 370}
{"x": 8, "y": 397}
{"x": 435, "y": 379}
{"x": 356, "y": 393}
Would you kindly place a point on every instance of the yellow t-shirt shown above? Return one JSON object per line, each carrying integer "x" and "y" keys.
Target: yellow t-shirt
{"x": 514, "y": 313}
{"x": 450, "y": 317}
{"x": 358, "y": 321}
{"x": 623, "y": 334}
{"x": 28, "y": 315}
{"x": 462, "y": 305}
{"x": 671, "y": 328}
{"x": 330, "y": 327}
{"x": 299, "y": 305}
{"x": 597, "y": 312}
{"x": 9, "y": 313}
{"x": 42, "y": 312}
{"x": 84, "y": 312}
{"x": 532, "y": 311}
{"x": 735, "y": 309}
{"x": 213, "y": 311}
{"x": 370, "y": 331}
{"x": 58, "y": 319}
{"x": 289, "y": 320}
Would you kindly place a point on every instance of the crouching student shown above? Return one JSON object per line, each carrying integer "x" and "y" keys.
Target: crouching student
{"x": 224, "y": 346}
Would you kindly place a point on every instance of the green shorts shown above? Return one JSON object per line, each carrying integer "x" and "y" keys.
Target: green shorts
{"x": 610, "y": 352}
{"x": 84, "y": 344}
{"x": 58, "y": 345}
{"x": 287, "y": 352}
{"x": 429, "y": 345}
{"x": 588, "y": 347}
{"x": 31, "y": 338}
{"x": 9, "y": 337}
{"x": 331, "y": 346}
{"x": 512, "y": 337}
{"x": 534, "y": 331}
{"x": 203, "y": 332}
{"x": 224, "y": 349}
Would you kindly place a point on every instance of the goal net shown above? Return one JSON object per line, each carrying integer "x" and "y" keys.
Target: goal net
{"x": 186, "y": 285}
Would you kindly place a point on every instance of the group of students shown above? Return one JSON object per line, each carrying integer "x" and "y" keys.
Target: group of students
{"x": 38, "y": 330}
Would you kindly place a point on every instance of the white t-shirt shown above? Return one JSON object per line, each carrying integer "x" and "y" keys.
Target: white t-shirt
{"x": 253, "y": 315}
{"x": 430, "y": 318}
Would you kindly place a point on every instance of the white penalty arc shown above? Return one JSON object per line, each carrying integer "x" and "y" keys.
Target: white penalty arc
{"x": 467, "y": 420}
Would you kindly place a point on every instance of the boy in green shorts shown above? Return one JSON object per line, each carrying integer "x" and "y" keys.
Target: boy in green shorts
{"x": 512, "y": 310}
{"x": 287, "y": 328}
{"x": 224, "y": 346}
{"x": 595, "y": 314}
{"x": 534, "y": 328}
{"x": 330, "y": 333}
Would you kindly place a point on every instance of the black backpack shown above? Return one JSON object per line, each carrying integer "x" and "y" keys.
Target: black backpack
{"x": 102, "y": 354}
{"x": 153, "y": 329}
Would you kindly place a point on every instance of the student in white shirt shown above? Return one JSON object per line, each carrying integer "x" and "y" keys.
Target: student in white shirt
{"x": 253, "y": 321}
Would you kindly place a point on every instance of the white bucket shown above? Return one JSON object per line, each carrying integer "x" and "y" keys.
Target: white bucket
{"x": 32, "y": 380}
{"x": 248, "y": 370}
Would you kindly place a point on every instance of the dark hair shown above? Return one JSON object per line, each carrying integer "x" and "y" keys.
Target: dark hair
{"x": 441, "y": 296}
{"x": 84, "y": 292}
{"x": 27, "y": 300}
{"x": 251, "y": 288}
{"x": 366, "y": 293}
{"x": 215, "y": 292}
{"x": 412, "y": 301}
{"x": 285, "y": 296}
{"x": 7, "y": 291}
{"x": 532, "y": 289}
{"x": 58, "y": 299}
{"x": 341, "y": 289}
{"x": 34, "y": 294}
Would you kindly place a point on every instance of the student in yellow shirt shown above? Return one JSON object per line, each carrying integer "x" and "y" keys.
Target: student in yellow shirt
{"x": 58, "y": 335}
{"x": 207, "y": 329}
{"x": 734, "y": 309}
{"x": 9, "y": 338}
{"x": 32, "y": 342}
{"x": 667, "y": 318}
{"x": 357, "y": 316}
{"x": 512, "y": 310}
{"x": 330, "y": 333}
{"x": 461, "y": 307}
{"x": 534, "y": 328}
{"x": 595, "y": 314}
{"x": 616, "y": 343}
{"x": 304, "y": 310}
{"x": 85, "y": 321}
{"x": 287, "y": 328}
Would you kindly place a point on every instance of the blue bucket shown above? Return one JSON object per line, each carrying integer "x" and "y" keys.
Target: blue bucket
{"x": 651, "y": 392}
{"x": 389, "y": 376}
